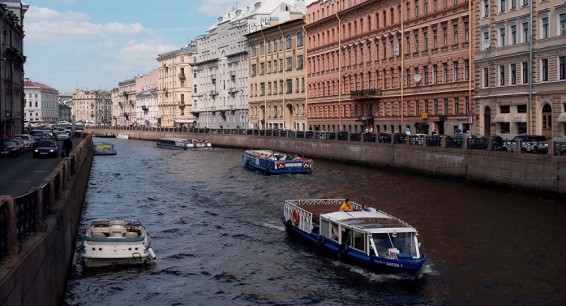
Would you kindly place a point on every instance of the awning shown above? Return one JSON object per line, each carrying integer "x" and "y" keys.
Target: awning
{"x": 562, "y": 117}
{"x": 184, "y": 121}
{"x": 503, "y": 118}
{"x": 520, "y": 118}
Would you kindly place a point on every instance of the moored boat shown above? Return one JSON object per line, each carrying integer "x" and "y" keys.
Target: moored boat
{"x": 123, "y": 136}
{"x": 273, "y": 162}
{"x": 365, "y": 236}
{"x": 104, "y": 148}
{"x": 183, "y": 144}
{"x": 116, "y": 242}
{"x": 104, "y": 135}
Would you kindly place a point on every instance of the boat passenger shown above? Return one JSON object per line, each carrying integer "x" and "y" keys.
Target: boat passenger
{"x": 364, "y": 208}
{"x": 346, "y": 206}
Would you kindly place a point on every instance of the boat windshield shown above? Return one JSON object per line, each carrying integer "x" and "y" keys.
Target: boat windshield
{"x": 393, "y": 244}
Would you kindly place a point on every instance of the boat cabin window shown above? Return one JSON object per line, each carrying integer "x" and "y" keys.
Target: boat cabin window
{"x": 403, "y": 242}
{"x": 324, "y": 228}
{"x": 358, "y": 241}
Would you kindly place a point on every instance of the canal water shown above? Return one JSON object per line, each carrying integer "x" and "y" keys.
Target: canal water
{"x": 219, "y": 240}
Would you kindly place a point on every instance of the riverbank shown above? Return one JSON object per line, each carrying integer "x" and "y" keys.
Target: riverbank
{"x": 537, "y": 172}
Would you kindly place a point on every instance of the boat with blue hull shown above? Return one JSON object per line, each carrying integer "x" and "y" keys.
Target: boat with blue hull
{"x": 273, "y": 162}
{"x": 365, "y": 236}
{"x": 183, "y": 144}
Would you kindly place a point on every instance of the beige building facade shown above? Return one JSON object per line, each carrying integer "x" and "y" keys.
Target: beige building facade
{"x": 277, "y": 76}
{"x": 92, "y": 106}
{"x": 124, "y": 104}
{"x": 521, "y": 67}
{"x": 174, "y": 87}
{"x": 397, "y": 66}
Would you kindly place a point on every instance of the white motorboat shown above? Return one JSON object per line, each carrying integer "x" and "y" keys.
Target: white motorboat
{"x": 116, "y": 242}
{"x": 123, "y": 136}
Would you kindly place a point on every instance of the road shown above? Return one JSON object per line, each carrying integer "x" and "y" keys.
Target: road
{"x": 19, "y": 175}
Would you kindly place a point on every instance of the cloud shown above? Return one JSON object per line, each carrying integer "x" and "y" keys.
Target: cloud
{"x": 47, "y": 27}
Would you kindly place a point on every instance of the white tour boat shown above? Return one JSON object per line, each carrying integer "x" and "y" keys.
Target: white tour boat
{"x": 183, "y": 144}
{"x": 116, "y": 242}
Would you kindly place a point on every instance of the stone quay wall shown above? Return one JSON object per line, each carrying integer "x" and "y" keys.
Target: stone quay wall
{"x": 537, "y": 172}
{"x": 35, "y": 267}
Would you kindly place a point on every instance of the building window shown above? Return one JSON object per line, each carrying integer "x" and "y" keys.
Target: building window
{"x": 445, "y": 35}
{"x": 289, "y": 86}
{"x": 253, "y": 50}
{"x": 513, "y": 4}
{"x": 485, "y": 8}
{"x": 436, "y": 106}
{"x": 544, "y": 25}
{"x": 425, "y": 8}
{"x": 525, "y": 73}
{"x": 467, "y": 70}
{"x": 513, "y": 68}
{"x": 562, "y": 68}
{"x": 501, "y": 75}
{"x": 456, "y": 106}
{"x": 435, "y": 38}
{"x": 446, "y": 106}
{"x": 456, "y": 33}
{"x": 261, "y": 48}
{"x": 513, "y": 34}
{"x": 435, "y": 74}
{"x": 425, "y": 35}
{"x": 502, "y": 6}
{"x": 300, "y": 39}
{"x": 417, "y": 42}
{"x": 562, "y": 29}
{"x": 525, "y": 2}
{"x": 467, "y": 31}
{"x": 289, "y": 42}
{"x": 486, "y": 42}
{"x": 444, "y": 72}
{"x": 485, "y": 77}
{"x": 299, "y": 61}
{"x": 544, "y": 67}
{"x": 526, "y": 31}
{"x": 502, "y": 37}
{"x": 456, "y": 71}
{"x": 416, "y": 8}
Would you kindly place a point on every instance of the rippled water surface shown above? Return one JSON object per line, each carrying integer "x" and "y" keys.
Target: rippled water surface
{"x": 219, "y": 240}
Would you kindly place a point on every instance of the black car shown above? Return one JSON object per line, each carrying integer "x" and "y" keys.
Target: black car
{"x": 531, "y": 143}
{"x": 47, "y": 148}
{"x": 9, "y": 148}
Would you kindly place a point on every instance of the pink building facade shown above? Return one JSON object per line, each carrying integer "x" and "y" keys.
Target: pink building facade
{"x": 368, "y": 71}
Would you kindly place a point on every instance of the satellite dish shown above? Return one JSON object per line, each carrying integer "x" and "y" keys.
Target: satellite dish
{"x": 417, "y": 77}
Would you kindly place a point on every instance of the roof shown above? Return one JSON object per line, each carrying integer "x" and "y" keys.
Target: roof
{"x": 41, "y": 86}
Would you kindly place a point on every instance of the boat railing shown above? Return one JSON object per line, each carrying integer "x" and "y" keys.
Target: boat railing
{"x": 305, "y": 222}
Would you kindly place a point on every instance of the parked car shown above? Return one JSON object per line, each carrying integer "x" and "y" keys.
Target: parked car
{"x": 29, "y": 141}
{"x": 39, "y": 134}
{"x": 20, "y": 142}
{"x": 46, "y": 148}
{"x": 531, "y": 144}
{"x": 497, "y": 143}
{"x": 9, "y": 148}
{"x": 61, "y": 135}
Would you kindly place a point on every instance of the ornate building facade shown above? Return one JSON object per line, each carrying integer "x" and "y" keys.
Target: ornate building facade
{"x": 41, "y": 103}
{"x": 521, "y": 67}
{"x": 174, "y": 89}
{"x": 124, "y": 104}
{"x": 220, "y": 95}
{"x": 12, "y": 67}
{"x": 397, "y": 66}
{"x": 92, "y": 106}
{"x": 277, "y": 76}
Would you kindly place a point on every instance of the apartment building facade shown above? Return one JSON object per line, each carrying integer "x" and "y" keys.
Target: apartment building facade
{"x": 12, "y": 67}
{"x": 124, "y": 104}
{"x": 220, "y": 92}
{"x": 92, "y": 106}
{"x": 175, "y": 87}
{"x": 147, "y": 108}
{"x": 521, "y": 67}
{"x": 41, "y": 103}
{"x": 277, "y": 76}
{"x": 398, "y": 66}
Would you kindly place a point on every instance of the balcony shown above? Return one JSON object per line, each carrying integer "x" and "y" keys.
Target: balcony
{"x": 182, "y": 76}
{"x": 233, "y": 90}
{"x": 213, "y": 93}
{"x": 365, "y": 93}
{"x": 144, "y": 108}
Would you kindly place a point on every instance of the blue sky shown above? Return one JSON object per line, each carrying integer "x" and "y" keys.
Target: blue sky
{"x": 94, "y": 44}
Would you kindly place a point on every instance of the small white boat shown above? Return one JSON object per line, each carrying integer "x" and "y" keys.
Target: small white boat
{"x": 123, "y": 136}
{"x": 116, "y": 242}
{"x": 183, "y": 144}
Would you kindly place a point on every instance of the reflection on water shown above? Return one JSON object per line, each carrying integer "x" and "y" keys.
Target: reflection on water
{"x": 218, "y": 237}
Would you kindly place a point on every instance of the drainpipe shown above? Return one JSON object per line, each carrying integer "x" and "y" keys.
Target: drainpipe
{"x": 284, "y": 74}
{"x": 402, "y": 67}
{"x": 264, "y": 80}
{"x": 305, "y": 61}
{"x": 530, "y": 102}
{"x": 2, "y": 100}
{"x": 339, "y": 69}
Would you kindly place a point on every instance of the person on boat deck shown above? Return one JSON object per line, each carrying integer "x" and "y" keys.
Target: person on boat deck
{"x": 364, "y": 208}
{"x": 346, "y": 206}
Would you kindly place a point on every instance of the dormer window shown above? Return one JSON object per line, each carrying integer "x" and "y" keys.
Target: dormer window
{"x": 257, "y": 5}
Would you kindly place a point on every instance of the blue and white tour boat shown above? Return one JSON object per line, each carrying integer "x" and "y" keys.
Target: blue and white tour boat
{"x": 273, "y": 162}
{"x": 104, "y": 148}
{"x": 365, "y": 236}
{"x": 183, "y": 144}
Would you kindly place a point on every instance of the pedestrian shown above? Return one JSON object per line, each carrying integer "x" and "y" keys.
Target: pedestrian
{"x": 67, "y": 147}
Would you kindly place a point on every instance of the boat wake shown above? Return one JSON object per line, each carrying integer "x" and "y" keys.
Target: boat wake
{"x": 278, "y": 227}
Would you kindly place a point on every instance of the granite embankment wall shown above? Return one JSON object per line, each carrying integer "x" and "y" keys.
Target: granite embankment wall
{"x": 34, "y": 271}
{"x": 515, "y": 169}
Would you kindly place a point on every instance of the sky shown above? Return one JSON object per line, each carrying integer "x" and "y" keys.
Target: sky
{"x": 94, "y": 44}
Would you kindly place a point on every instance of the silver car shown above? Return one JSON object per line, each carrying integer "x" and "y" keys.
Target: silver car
{"x": 29, "y": 141}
